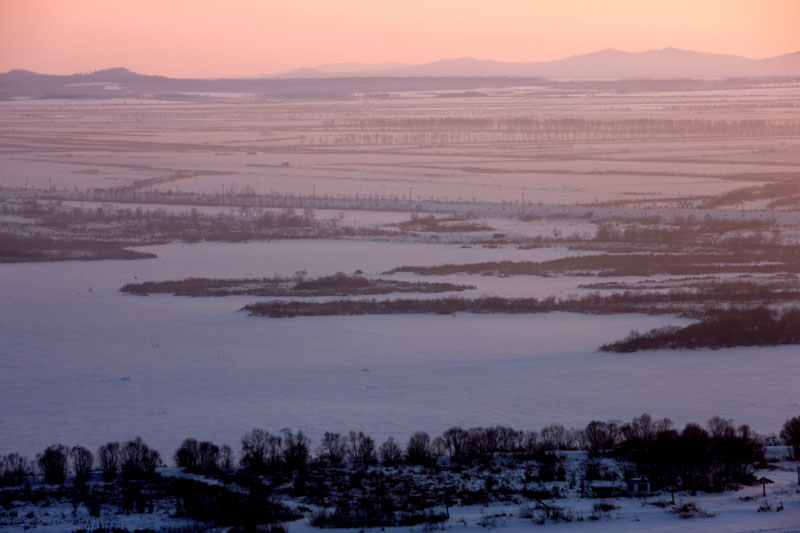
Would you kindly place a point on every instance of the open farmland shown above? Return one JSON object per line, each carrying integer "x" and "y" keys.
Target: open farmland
{"x": 576, "y": 145}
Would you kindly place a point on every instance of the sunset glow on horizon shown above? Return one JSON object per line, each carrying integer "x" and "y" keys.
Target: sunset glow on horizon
{"x": 207, "y": 38}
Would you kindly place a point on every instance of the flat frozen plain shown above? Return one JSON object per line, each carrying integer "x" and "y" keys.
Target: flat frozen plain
{"x": 83, "y": 366}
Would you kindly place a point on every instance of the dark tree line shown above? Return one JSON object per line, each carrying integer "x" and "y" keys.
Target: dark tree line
{"x": 712, "y": 458}
{"x": 779, "y": 259}
{"x": 203, "y": 457}
{"x": 455, "y": 130}
{"x": 339, "y": 284}
{"x": 695, "y": 458}
{"x": 133, "y": 459}
{"x": 759, "y": 326}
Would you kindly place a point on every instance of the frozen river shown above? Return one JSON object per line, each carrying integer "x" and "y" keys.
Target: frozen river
{"x": 82, "y": 363}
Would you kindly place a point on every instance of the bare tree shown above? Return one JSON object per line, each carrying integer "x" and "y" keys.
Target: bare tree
{"x": 260, "y": 450}
{"x": 360, "y": 448}
{"x": 790, "y": 433}
{"x": 53, "y": 464}
{"x": 296, "y": 450}
{"x": 109, "y": 458}
{"x": 82, "y": 462}
{"x": 598, "y": 436}
{"x": 455, "y": 442}
{"x": 438, "y": 448}
{"x": 746, "y": 432}
{"x": 137, "y": 459}
{"x": 186, "y": 455}
{"x": 225, "y": 460}
{"x": 554, "y": 437}
{"x": 208, "y": 456}
{"x": 15, "y": 468}
{"x": 390, "y": 452}
{"x": 640, "y": 428}
{"x": 254, "y": 449}
{"x": 418, "y": 449}
{"x": 197, "y": 456}
{"x": 332, "y": 449}
{"x": 644, "y": 428}
{"x": 530, "y": 443}
{"x": 721, "y": 428}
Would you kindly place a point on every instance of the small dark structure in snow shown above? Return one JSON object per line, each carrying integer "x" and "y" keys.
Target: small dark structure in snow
{"x": 764, "y": 482}
{"x": 638, "y": 485}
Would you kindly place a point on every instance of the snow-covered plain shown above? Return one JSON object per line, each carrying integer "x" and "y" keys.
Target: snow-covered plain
{"x": 291, "y": 147}
{"x": 83, "y": 363}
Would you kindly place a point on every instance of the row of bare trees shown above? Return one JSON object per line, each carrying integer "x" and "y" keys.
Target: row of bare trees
{"x": 133, "y": 459}
{"x": 456, "y": 130}
{"x": 697, "y": 457}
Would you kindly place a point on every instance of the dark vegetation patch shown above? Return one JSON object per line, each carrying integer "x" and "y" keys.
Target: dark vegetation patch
{"x": 687, "y": 282}
{"x": 691, "y": 510}
{"x": 441, "y": 225}
{"x": 786, "y": 187}
{"x": 707, "y": 291}
{"x": 685, "y": 230}
{"x": 442, "y": 306}
{"x": 338, "y": 284}
{"x": 612, "y": 265}
{"x": 20, "y": 249}
{"x": 684, "y": 302}
{"x": 212, "y": 505}
{"x": 719, "y": 329}
{"x": 220, "y": 505}
{"x": 61, "y": 233}
{"x": 104, "y": 231}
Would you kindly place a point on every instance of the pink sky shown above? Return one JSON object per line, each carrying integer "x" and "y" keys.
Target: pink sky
{"x": 247, "y": 37}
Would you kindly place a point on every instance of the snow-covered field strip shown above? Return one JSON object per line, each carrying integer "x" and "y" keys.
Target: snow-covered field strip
{"x": 350, "y": 216}
{"x": 272, "y": 146}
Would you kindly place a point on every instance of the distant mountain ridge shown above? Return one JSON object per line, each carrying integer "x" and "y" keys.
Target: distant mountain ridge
{"x": 603, "y": 64}
{"x": 123, "y": 83}
{"x": 337, "y": 81}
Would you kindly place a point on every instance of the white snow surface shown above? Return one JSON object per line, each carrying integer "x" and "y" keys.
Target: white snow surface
{"x": 84, "y": 364}
{"x": 744, "y": 510}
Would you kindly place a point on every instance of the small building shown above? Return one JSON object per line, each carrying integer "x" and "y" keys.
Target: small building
{"x": 604, "y": 489}
{"x": 638, "y": 485}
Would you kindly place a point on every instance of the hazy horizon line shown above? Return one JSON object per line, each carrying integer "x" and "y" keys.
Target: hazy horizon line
{"x": 399, "y": 63}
